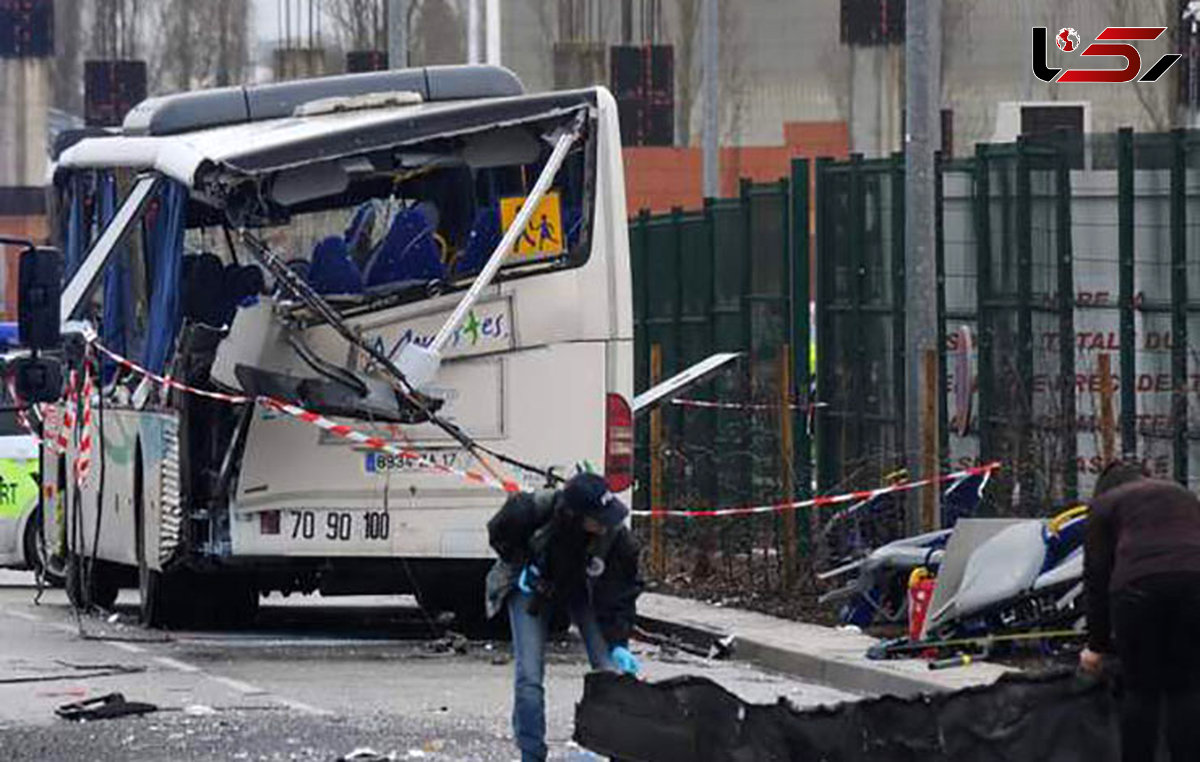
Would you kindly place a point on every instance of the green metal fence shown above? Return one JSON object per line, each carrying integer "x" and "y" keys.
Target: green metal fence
{"x": 1056, "y": 257}
{"x": 723, "y": 278}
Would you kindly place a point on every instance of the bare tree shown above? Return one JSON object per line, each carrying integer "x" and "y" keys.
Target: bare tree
{"x": 357, "y": 24}
{"x": 689, "y": 75}
{"x": 687, "y": 80}
{"x": 68, "y": 57}
{"x": 438, "y": 34}
{"x": 1141, "y": 13}
{"x": 734, "y": 78}
{"x": 199, "y": 44}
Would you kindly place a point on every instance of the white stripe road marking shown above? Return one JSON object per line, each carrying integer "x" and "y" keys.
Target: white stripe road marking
{"x": 300, "y": 706}
{"x": 238, "y": 685}
{"x": 177, "y": 665}
{"x": 181, "y": 666}
{"x": 126, "y": 647}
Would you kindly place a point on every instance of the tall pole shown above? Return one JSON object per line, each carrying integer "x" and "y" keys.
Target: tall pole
{"x": 472, "y": 31}
{"x": 923, "y": 88}
{"x": 493, "y": 32}
{"x": 397, "y": 31}
{"x": 712, "y": 167}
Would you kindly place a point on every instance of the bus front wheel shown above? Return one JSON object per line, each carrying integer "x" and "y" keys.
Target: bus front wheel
{"x": 150, "y": 592}
{"x": 97, "y": 586}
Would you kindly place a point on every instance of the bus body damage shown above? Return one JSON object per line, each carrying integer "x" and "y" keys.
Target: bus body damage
{"x": 407, "y": 265}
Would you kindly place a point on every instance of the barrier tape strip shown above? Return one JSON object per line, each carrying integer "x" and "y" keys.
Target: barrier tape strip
{"x": 341, "y": 430}
{"x": 850, "y": 510}
{"x": 167, "y": 381}
{"x": 83, "y": 461}
{"x": 705, "y": 404}
{"x": 378, "y": 443}
{"x": 822, "y": 500}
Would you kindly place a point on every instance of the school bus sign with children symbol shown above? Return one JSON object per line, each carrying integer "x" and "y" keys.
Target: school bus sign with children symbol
{"x": 543, "y": 236}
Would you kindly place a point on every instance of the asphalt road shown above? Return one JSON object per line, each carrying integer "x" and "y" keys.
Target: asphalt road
{"x": 313, "y": 679}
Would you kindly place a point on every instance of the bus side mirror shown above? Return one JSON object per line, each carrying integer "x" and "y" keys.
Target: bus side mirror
{"x": 38, "y": 379}
{"x": 38, "y": 294}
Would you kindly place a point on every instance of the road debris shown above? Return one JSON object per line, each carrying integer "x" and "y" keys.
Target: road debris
{"x": 105, "y": 707}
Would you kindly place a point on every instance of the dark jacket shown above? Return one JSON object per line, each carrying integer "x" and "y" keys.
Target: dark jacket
{"x": 575, "y": 567}
{"x": 1141, "y": 529}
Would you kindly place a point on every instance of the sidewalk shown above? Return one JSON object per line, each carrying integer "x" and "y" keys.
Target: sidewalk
{"x": 808, "y": 651}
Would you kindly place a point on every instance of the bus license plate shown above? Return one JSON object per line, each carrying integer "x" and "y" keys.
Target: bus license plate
{"x": 337, "y": 526}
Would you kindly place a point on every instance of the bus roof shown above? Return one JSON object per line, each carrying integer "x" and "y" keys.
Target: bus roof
{"x": 200, "y": 109}
{"x": 278, "y": 143}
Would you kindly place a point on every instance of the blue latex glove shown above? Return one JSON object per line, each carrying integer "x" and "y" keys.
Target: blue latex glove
{"x": 528, "y": 579}
{"x": 625, "y": 661}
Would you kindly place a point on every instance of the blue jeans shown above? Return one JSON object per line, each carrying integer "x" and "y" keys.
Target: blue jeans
{"x": 529, "y": 635}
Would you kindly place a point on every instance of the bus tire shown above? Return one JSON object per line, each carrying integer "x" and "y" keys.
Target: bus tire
{"x": 150, "y": 606}
{"x": 73, "y": 582}
{"x": 241, "y": 601}
{"x": 31, "y": 544}
{"x": 97, "y": 589}
{"x": 37, "y": 554}
{"x": 234, "y": 601}
{"x": 103, "y": 585}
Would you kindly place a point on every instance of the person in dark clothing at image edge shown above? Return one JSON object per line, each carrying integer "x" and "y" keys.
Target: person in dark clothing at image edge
{"x": 562, "y": 551}
{"x": 1142, "y": 582}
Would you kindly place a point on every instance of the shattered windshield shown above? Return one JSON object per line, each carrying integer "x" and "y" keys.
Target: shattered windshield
{"x": 426, "y": 219}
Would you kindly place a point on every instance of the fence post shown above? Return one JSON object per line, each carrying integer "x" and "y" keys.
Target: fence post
{"x": 1107, "y": 432}
{"x": 826, "y": 464}
{"x": 746, "y": 303}
{"x": 930, "y": 520}
{"x": 657, "y": 554}
{"x": 638, "y": 250}
{"x": 939, "y": 252}
{"x": 983, "y": 290}
{"x": 788, "y": 519}
{"x": 854, "y": 227}
{"x": 712, "y": 416}
{"x": 1179, "y": 333}
{"x": 1128, "y": 357}
{"x": 1024, "y": 466}
{"x": 801, "y": 332}
{"x": 677, "y": 420}
{"x": 1066, "y": 326}
{"x": 899, "y": 307}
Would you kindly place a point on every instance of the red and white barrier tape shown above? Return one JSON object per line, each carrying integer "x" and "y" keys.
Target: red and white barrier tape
{"x": 706, "y": 405}
{"x": 83, "y": 460}
{"x": 822, "y": 500}
{"x": 341, "y": 430}
{"x": 377, "y": 443}
{"x": 167, "y": 381}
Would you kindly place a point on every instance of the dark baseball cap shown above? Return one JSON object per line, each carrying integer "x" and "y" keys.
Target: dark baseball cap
{"x": 588, "y": 495}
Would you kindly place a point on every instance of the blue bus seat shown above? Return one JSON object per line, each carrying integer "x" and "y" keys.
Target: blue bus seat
{"x": 481, "y": 242}
{"x": 408, "y": 252}
{"x": 332, "y": 271}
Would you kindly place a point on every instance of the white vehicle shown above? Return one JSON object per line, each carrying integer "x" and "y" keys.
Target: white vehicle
{"x": 330, "y": 243}
{"x": 19, "y": 539}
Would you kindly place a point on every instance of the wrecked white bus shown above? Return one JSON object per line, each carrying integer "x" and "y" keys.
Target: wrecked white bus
{"x": 322, "y": 321}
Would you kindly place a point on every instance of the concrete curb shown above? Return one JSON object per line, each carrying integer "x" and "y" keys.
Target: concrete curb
{"x": 809, "y": 652}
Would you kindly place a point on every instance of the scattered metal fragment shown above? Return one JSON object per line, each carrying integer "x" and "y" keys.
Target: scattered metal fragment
{"x": 106, "y": 707}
